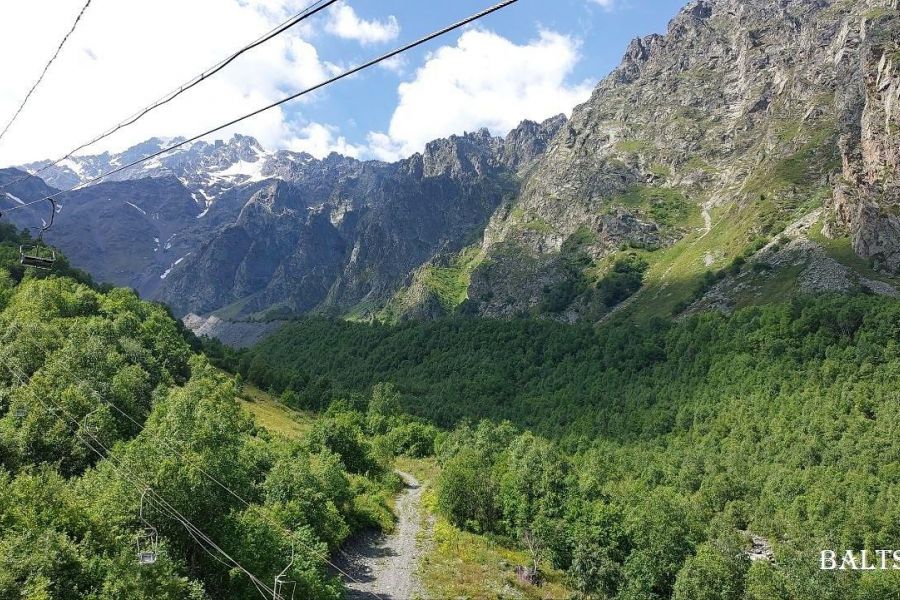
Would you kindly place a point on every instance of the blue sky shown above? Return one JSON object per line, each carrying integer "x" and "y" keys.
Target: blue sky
{"x": 602, "y": 34}
{"x": 531, "y": 60}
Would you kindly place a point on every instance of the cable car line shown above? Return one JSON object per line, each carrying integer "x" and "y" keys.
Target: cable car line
{"x": 44, "y": 72}
{"x": 306, "y": 13}
{"x": 165, "y": 506}
{"x": 129, "y": 476}
{"x": 344, "y": 75}
{"x": 224, "y": 487}
{"x": 234, "y": 494}
{"x": 421, "y": 41}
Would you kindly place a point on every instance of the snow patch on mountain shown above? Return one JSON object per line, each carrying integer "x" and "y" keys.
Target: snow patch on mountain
{"x": 174, "y": 264}
{"x": 246, "y": 171}
{"x": 136, "y": 207}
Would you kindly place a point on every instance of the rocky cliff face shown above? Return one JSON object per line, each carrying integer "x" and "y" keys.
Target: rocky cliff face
{"x": 340, "y": 232}
{"x": 867, "y": 199}
{"x": 741, "y": 114}
{"x": 749, "y": 152}
{"x": 230, "y": 227}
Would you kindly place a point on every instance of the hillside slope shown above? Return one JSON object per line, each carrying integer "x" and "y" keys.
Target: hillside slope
{"x": 747, "y": 122}
{"x": 111, "y": 424}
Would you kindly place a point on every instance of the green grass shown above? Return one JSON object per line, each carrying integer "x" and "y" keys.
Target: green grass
{"x": 538, "y": 225}
{"x": 459, "y": 564}
{"x": 877, "y": 13}
{"x": 233, "y": 310}
{"x": 695, "y": 163}
{"x": 362, "y": 311}
{"x": 633, "y": 146}
{"x": 660, "y": 170}
{"x": 274, "y": 416}
{"x": 676, "y": 272}
{"x": 668, "y": 207}
{"x": 815, "y": 154}
{"x": 451, "y": 284}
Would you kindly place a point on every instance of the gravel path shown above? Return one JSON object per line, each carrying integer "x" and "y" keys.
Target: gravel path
{"x": 385, "y": 565}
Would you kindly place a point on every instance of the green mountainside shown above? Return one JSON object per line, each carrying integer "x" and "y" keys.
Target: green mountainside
{"x": 708, "y": 457}
{"x": 669, "y": 449}
{"x": 749, "y": 152}
{"x": 103, "y": 400}
{"x": 655, "y": 349}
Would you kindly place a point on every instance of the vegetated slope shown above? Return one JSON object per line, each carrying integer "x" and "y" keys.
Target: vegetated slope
{"x": 101, "y": 398}
{"x": 569, "y": 381}
{"x": 671, "y": 447}
{"x": 702, "y": 147}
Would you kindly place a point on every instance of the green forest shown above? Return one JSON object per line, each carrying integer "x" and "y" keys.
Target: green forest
{"x": 103, "y": 401}
{"x": 645, "y": 460}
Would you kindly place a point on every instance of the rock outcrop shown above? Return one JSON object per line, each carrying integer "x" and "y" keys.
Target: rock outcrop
{"x": 696, "y": 152}
{"x": 867, "y": 199}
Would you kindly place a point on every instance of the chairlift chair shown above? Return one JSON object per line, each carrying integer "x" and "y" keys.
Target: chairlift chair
{"x": 20, "y": 412}
{"x": 89, "y": 423}
{"x": 147, "y": 539}
{"x": 282, "y": 584}
{"x": 39, "y": 255}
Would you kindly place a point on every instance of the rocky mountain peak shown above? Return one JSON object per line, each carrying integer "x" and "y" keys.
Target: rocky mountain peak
{"x": 529, "y": 141}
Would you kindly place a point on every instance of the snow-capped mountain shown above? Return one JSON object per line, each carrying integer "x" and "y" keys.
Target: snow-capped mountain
{"x": 207, "y": 169}
{"x": 229, "y": 225}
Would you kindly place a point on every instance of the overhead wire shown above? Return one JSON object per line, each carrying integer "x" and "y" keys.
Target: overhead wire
{"x": 421, "y": 41}
{"x": 129, "y": 476}
{"x": 353, "y": 71}
{"x": 225, "y": 488}
{"x": 303, "y": 15}
{"x": 46, "y": 69}
{"x": 235, "y": 495}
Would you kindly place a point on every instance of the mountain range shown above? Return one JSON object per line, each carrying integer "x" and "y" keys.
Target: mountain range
{"x": 750, "y": 152}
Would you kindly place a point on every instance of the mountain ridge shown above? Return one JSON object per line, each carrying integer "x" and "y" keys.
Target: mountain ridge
{"x": 746, "y": 154}
{"x": 246, "y": 213}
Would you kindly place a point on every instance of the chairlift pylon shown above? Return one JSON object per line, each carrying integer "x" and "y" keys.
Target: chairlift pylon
{"x": 147, "y": 539}
{"x": 282, "y": 583}
{"x": 39, "y": 255}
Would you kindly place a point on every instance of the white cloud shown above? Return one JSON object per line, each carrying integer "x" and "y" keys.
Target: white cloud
{"x": 122, "y": 58}
{"x": 606, "y": 4}
{"x": 382, "y": 147}
{"x": 321, "y": 140}
{"x": 396, "y": 64}
{"x": 483, "y": 81}
{"x": 346, "y": 24}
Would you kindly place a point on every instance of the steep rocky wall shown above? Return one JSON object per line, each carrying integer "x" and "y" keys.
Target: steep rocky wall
{"x": 747, "y": 104}
{"x": 867, "y": 200}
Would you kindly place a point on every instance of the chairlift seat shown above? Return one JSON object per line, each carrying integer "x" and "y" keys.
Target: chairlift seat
{"x": 37, "y": 257}
{"x": 148, "y": 546}
{"x": 21, "y": 413}
{"x": 284, "y": 588}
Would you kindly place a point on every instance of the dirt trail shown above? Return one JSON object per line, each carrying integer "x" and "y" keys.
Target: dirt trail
{"x": 385, "y": 565}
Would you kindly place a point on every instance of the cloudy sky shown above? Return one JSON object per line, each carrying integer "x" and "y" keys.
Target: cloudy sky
{"x": 533, "y": 60}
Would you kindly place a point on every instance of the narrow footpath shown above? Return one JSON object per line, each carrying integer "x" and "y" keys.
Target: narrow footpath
{"x": 385, "y": 565}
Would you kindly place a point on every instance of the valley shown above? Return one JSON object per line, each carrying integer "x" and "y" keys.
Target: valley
{"x": 648, "y": 349}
